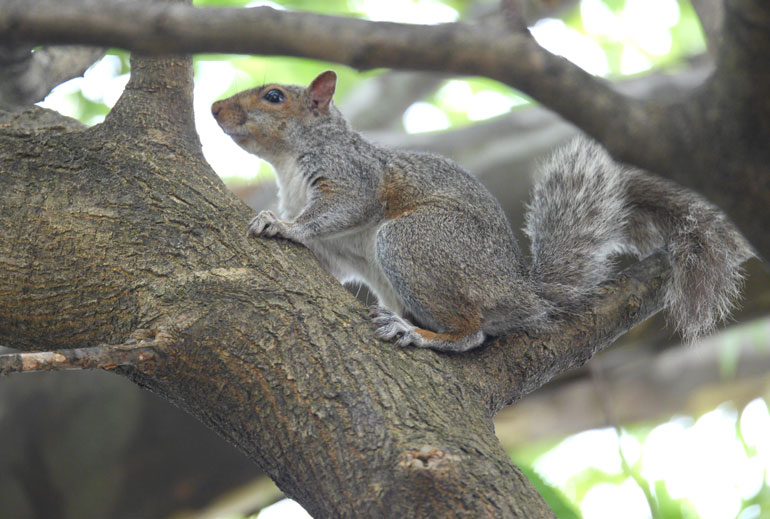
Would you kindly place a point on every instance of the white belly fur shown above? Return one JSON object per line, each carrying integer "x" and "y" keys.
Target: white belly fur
{"x": 348, "y": 256}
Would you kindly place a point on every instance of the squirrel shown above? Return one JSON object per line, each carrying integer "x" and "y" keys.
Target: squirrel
{"x": 434, "y": 246}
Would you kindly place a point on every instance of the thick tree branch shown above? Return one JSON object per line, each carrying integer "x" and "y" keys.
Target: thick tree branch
{"x": 27, "y": 77}
{"x": 268, "y": 350}
{"x": 510, "y": 371}
{"x": 489, "y": 49}
{"x": 155, "y": 85}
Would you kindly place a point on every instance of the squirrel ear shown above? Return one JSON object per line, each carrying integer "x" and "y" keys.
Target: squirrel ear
{"x": 321, "y": 89}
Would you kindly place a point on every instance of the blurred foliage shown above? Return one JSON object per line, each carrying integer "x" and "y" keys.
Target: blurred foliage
{"x": 718, "y": 457}
{"x": 556, "y": 499}
{"x": 686, "y": 35}
{"x": 90, "y": 110}
{"x": 326, "y": 7}
{"x": 259, "y": 70}
{"x": 337, "y": 7}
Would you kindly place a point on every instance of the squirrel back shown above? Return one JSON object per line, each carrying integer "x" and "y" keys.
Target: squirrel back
{"x": 435, "y": 246}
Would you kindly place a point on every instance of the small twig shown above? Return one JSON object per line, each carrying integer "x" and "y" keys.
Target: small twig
{"x": 103, "y": 356}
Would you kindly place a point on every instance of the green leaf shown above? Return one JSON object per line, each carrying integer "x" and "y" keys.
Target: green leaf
{"x": 554, "y": 497}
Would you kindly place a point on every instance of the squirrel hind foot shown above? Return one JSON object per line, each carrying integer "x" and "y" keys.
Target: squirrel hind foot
{"x": 393, "y": 327}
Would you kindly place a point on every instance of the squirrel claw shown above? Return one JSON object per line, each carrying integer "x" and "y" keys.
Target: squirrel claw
{"x": 406, "y": 339}
{"x": 267, "y": 225}
{"x": 391, "y": 326}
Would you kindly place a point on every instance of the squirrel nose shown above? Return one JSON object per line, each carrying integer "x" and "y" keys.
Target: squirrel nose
{"x": 216, "y": 108}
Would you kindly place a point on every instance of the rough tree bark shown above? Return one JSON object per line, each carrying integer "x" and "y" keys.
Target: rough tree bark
{"x": 121, "y": 234}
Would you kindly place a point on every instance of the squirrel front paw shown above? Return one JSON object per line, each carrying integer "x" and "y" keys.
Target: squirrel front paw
{"x": 267, "y": 225}
{"x": 392, "y": 326}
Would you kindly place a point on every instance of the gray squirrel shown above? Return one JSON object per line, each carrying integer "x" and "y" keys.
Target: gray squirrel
{"x": 434, "y": 245}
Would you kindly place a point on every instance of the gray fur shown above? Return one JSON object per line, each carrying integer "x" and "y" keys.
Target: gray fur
{"x": 436, "y": 249}
{"x": 587, "y": 208}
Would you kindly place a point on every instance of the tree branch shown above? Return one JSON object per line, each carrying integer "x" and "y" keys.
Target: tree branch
{"x": 27, "y": 77}
{"x": 103, "y": 356}
{"x": 518, "y": 364}
{"x": 489, "y": 49}
{"x": 525, "y": 133}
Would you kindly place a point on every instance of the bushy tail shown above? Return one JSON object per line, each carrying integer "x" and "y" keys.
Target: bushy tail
{"x": 587, "y": 208}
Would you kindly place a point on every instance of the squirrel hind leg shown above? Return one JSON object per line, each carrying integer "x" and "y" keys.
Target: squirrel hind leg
{"x": 391, "y": 326}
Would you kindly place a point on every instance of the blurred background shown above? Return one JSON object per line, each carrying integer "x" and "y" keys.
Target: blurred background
{"x": 649, "y": 429}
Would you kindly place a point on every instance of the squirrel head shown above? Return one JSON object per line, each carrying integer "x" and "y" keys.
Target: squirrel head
{"x": 275, "y": 121}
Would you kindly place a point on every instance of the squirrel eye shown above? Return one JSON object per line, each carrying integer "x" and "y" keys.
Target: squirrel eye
{"x": 274, "y": 96}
